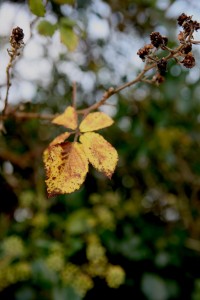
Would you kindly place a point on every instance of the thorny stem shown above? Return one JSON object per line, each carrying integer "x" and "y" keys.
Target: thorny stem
{"x": 150, "y": 64}
{"x": 111, "y": 91}
{"x": 13, "y": 54}
{"x": 8, "y": 75}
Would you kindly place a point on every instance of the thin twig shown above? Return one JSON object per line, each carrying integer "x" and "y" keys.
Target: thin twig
{"x": 111, "y": 91}
{"x": 27, "y": 116}
{"x": 74, "y": 95}
{"x": 8, "y": 75}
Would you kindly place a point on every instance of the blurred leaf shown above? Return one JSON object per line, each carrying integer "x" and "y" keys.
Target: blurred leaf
{"x": 37, "y": 7}
{"x": 42, "y": 274}
{"x": 67, "y": 22}
{"x": 43, "y": 244}
{"x": 80, "y": 221}
{"x": 46, "y": 28}
{"x": 196, "y": 291}
{"x": 74, "y": 244}
{"x": 25, "y": 293}
{"x": 154, "y": 287}
{"x": 61, "y": 293}
{"x": 68, "y": 38}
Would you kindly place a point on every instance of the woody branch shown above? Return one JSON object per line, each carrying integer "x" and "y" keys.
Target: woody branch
{"x": 182, "y": 54}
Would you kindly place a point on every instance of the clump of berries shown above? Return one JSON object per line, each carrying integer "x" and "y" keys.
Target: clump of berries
{"x": 187, "y": 23}
{"x": 186, "y": 39}
{"x": 189, "y": 61}
{"x": 157, "y": 40}
{"x": 143, "y": 52}
{"x": 182, "y": 54}
{"x": 16, "y": 39}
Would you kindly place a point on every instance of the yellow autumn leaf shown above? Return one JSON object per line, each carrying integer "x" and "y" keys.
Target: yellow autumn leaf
{"x": 67, "y": 119}
{"x": 60, "y": 138}
{"x": 95, "y": 121}
{"x": 66, "y": 167}
{"x": 101, "y": 154}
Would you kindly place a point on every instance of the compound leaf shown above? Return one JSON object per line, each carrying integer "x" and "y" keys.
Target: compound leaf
{"x": 67, "y": 119}
{"x": 66, "y": 167}
{"x": 101, "y": 154}
{"x": 95, "y": 121}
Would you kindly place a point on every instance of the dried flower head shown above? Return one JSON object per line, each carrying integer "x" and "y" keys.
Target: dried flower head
{"x": 16, "y": 38}
{"x": 187, "y": 23}
{"x": 182, "y": 18}
{"x": 188, "y": 26}
{"x": 158, "y": 40}
{"x": 189, "y": 61}
{"x": 143, "y": 52}
{"x": 196, "y": 25}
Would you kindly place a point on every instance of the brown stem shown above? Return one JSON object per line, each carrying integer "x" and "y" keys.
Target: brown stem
{"x": 195, "y": 42}
{"x": 111, "y": 91}
{"x": 74, "y": 95}
{"x": 27, "y": 116}
{"x": 8, "y": 75}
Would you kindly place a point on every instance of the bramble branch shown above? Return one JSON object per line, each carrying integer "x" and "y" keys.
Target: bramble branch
{"x": 20, "y": 115}
{"x": 182, "y": 54}
{"x": 16, "y": 41}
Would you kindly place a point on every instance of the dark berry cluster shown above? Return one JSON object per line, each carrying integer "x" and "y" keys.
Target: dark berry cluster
{"x": 183, "y": 18}
{"x": 143, "y": 52}
{"x": 188, "y": 61}
{"x": 187, "y": 23}
{"x": 16, "y": 38}
{"x": 158, "y": 40}
{"x": 182, "y": 54}
{"x": 185, "y": 37}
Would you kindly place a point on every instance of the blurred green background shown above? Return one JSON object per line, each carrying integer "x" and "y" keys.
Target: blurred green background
{"x": 136, "y": 236}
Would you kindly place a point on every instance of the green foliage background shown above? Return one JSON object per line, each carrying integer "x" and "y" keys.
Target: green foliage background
{"x": 136, "y": 236}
